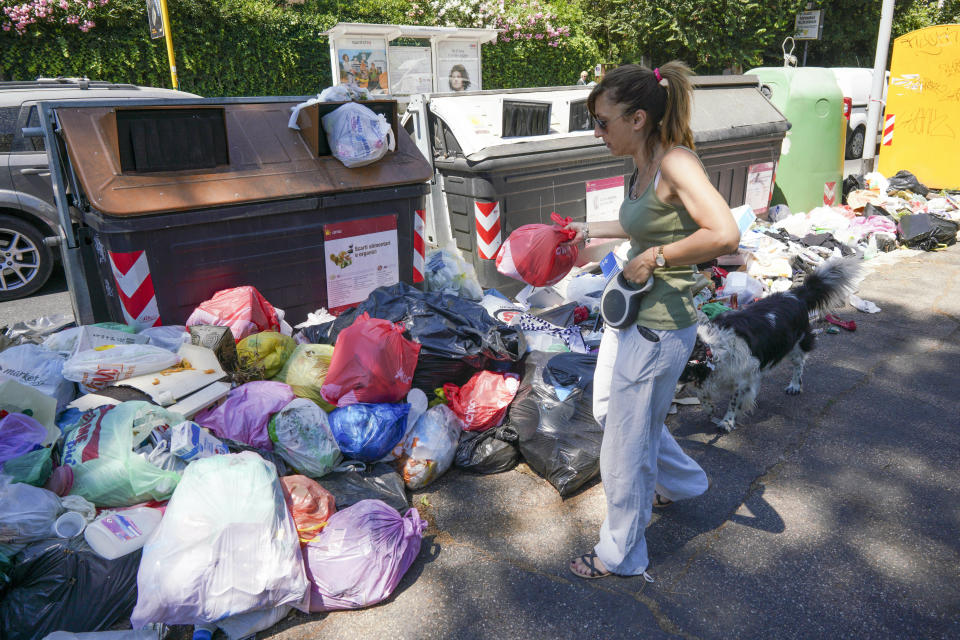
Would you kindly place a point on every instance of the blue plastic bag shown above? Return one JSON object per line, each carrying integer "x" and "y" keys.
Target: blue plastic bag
{"x": 367, "y": 432}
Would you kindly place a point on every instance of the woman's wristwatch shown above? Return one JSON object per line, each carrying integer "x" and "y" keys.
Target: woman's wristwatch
{"x": 586, "y": 233}
{"x": 659, "y": 257}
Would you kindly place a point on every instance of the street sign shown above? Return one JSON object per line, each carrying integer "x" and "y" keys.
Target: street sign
{"x": 155, "y": 19}
{"x": 809, "y": 25}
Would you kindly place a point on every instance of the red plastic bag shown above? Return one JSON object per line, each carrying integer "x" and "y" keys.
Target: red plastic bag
{"x": 309, "y": 503}
{"x": 372, "y": 362}
{"x": 539, "y": 254}
{"x": 482, "y": 402}
{"x": 242, "y": 309}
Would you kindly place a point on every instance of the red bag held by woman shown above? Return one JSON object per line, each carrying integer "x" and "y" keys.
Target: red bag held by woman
{"x": 539, "y": 254}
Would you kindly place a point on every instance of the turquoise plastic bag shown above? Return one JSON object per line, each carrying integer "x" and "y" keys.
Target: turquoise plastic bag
{"x": 106, "y": 471}
{"x": 31, "y": 468}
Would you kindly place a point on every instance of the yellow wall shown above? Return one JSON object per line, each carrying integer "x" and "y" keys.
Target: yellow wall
{"x": 924, "y": 98}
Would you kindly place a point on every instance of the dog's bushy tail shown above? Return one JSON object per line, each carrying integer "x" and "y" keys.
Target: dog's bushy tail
{"x": 830, "y": 284}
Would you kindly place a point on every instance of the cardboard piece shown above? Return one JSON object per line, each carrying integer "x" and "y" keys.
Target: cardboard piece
{"x": 220, "y": 340}
{"x": 198, "y": 368}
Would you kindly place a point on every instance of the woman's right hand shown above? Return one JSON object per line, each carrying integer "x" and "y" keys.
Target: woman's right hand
{"x": 580, "y": 228}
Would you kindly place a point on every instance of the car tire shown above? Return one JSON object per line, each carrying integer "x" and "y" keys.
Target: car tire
{"x": 855, "y": 143}
{"x": 25, "y": 261}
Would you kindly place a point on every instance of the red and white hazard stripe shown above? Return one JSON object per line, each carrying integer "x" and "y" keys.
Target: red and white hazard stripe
{"x": 135, "y": 288}
{"x": 487, "y": 215}
{"x": 829, "y": 193}
{"x": 888, "y": 129}
{"x": 419, "y": 244}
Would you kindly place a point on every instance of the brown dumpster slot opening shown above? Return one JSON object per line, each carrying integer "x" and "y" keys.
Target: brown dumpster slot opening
{"x": 311, "y": 123}
{"x": 177, "y": 139}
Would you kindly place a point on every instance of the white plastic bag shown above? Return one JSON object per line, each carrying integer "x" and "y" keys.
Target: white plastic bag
{"x": 40, "y": 368}
{"x": 301, "y": 436}
{"x": 95, "y": 369}
{"x": 226, "y": 545}
{"x": 427, "y": 450}
{"x": 357, "y": 136}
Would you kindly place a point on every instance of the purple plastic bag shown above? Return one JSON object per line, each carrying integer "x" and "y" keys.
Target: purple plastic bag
{"x": 244, "y": 415}
{"x": 19, "y": 434}
{"x": 359, "y": 557}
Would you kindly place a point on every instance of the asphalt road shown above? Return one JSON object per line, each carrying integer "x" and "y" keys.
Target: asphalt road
{"x": 832, "y": 514}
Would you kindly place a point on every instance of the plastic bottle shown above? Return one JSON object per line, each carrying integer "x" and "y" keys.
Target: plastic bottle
{"x": 203, "y": 631}
{"x": 117, "y": 534}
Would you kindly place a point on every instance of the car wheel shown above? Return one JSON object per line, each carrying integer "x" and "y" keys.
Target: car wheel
{"x": 855, "y": 143}
{"x": 25, "y": 261}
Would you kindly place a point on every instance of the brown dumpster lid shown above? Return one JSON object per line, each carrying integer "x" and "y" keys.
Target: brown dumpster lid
{"x": 267, "y": 161}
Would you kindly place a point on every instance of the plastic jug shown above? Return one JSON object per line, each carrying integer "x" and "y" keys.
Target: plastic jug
{"x": 122, "y": 532}
{"x": 746, "y": 288}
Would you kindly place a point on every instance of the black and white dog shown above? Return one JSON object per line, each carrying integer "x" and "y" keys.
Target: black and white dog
{"x": 734, "y": 348}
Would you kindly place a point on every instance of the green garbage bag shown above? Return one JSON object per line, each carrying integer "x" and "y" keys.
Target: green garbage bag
{"x": 30, "y": 468}
{"x": 301, "y": 435}
{"x": 265, "y": 353}
{"x": 106, "y": 471}
{"x": 306, "y": 370}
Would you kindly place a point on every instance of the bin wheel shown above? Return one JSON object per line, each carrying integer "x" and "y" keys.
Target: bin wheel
{"x": 855, "y": 143}
{"x": 25, "y": 261}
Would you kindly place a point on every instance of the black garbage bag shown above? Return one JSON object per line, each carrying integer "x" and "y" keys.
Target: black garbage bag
{"x": 376, "y": 482}
{"x": 552, "y": 416}
{"x": 871, "y": 210}
{"x": 445, "y": 325}
{"x": 433, "y": 372}
{"x": 926, "y": 231}
{"x": 852, "y": 183}
{"x": 487, "y": 451}
{"x": 906, "y": 181}
{"x": 62, "y": 585}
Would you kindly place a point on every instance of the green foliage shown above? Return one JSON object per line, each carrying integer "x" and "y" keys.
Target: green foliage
{"x": 534, "y": 63}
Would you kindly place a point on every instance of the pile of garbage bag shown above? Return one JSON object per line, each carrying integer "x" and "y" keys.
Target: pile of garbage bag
{"x": 223, "y": 473}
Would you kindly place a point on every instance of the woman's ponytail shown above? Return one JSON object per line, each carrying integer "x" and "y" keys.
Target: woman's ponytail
{"x": 675, "y": 123}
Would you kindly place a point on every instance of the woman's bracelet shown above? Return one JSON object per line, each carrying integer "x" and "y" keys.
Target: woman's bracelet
{"x": 586, "y": 233}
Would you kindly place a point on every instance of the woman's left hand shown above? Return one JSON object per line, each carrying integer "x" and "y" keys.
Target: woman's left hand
{"x": 639, "y": 270}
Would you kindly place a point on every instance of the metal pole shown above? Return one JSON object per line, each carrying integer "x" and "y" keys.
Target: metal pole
{"x": 805, "y": 43}
{"x": 876, "y": 91}
{"x": 168, "y": 37}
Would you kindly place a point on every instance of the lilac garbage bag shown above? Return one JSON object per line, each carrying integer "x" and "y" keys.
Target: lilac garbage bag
{"x": 359, "y": 557}
{"x": 19, "y": 434}
{"x": 244, "y": 415}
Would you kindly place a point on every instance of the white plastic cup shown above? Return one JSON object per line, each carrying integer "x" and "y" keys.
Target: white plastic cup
{"x": 69, "y": 524}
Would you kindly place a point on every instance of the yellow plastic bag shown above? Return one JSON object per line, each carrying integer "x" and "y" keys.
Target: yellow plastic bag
{"x": 306, "y": 370}
{"x": 265, "y": 353}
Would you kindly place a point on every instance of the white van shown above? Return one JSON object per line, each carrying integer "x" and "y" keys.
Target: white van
{"x": 855, "y": 83}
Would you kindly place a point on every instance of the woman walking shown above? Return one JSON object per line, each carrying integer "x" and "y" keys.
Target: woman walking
{"x": 674, "y": 219}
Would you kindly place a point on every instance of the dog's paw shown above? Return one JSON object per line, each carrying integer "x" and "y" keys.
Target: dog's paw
{"x": 793, "y": 389}
{"x": 726, "y": 425}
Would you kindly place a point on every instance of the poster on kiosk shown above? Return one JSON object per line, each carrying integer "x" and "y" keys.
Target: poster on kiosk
{"x": 458, "y": 66}
{"x": 363, "y": 61}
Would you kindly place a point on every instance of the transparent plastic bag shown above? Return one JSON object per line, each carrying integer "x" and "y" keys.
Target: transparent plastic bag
{"x": 446, "y": 271}
{"x": 95, "y": 369}
{"x": 428, "y": 449}
{"x": 301, "y": 436}
{"x": 40, "y": 368}
{"x": 226, "y": 545}
{"x": 27, "y": 513}
{"x": 306, "y": 370}
{"x": 357, "y": 136}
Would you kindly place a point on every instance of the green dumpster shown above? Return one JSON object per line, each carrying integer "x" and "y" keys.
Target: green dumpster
{"x": 810, "y": 172}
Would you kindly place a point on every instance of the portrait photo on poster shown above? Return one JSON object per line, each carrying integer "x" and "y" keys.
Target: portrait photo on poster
{"x": 458, "y": 66}
{"x": 363, "y": 62}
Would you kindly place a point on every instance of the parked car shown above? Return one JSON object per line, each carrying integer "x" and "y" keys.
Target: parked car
{"x": 855, "y": 84}
{"x": 28, "y": 213}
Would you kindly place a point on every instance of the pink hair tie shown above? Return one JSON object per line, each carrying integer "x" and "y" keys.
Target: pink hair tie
{"x": 656, "y": 73}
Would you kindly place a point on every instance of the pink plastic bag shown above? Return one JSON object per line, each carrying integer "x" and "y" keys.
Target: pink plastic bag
{"x": 19, "y": 434}
{"x": 242, "y": 309}
{"x": 244, "y": 415}
{"x": 482, "y": 402}
{"x": 372, "y": 362}
{"x": 360, "y": 556}
{"x": 539, "y": 254}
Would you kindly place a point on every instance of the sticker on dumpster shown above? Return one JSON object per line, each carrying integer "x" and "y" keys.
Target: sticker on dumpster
{"x": 604, "y": 198}
{"x": 419, "y": 244}
{"x": 888, "y": 129}
{"x": 759, "y": 186}
{"x": 138, "y": 300}
{"x": 487, "y": 215}
{"x": 829, "y": 193}
{"x": 360, "y": 255}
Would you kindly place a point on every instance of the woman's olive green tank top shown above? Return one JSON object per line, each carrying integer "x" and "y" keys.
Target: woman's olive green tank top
{"x": 650, "y": 222}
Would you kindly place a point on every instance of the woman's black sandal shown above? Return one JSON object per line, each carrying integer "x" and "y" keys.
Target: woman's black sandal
{"x": 587, "y": 560}
{"x": 660, "y": 502}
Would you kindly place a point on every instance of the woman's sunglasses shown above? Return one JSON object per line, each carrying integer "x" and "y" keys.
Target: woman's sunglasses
{"x": 602, "y": 124}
